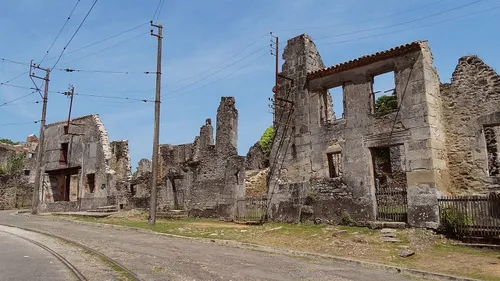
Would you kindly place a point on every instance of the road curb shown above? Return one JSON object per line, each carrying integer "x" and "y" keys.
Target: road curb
{"x": 275, "y": 250}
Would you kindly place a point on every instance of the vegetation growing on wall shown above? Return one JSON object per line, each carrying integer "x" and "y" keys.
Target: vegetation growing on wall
{"x": 14, "y": 165}
{"x": 386, "y": 103}
{"x": 266, "y": 140}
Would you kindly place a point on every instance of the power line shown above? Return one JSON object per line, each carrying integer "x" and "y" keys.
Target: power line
{"x": 219, "y": 70}
{"x": 363, "y": 21}
{"x": 223, "y": 77}
{"x": 411, "y": 28}
{"x": 21, "y": 103}
{"x": 15, "y": 62}
{"x": 158, "y": 10}
{"x": 12, "y": 79}
{"x": 102, "y": 40}
{"x": 401, "y": 23}
{"x": 107, "y": 48}
{"x": 74, "y": 34}
{"x": 16, "y": 99}
{"x": 19, "y": 123}
{"x": 223, "y": 62}
{"x": 60, "y": 31}
{"x": 114, "y": 97}
{"x": 71, "y": 70}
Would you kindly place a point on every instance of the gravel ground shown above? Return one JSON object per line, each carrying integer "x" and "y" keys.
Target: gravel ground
{"x": 156, "y": 257}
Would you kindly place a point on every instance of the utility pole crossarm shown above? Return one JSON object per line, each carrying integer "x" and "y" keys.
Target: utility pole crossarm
{"x": 156, "y": 135}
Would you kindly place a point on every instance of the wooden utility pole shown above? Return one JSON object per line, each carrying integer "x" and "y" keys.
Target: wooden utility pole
{"x": 39, "y": 158}
{"x": 156, "y": 135}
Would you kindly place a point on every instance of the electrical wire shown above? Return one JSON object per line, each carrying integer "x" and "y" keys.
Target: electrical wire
{"x": 12, "y": 79}
{"x": 218, "y": 71}
{"x": 102, "y": 40}
{"x": 71, "y": 70}
{"x": 400, "y": 23}
{"x": 221, "y": 78}
{"x": 158, "y": 10}
{"x": 59, "y": 34}
{"x": 107, "y": 48}
{"x": 411, "y": 28}
{"x": 21, "y": 103}
{"x": 15, "y": 62}
{"x": 19, "y": 123}
{"x": 16, "y": 99}
{"x": 223, "y": 62}
{"x": 363, "y": 21}
{"x": 74, "y": 34}
{"x": 113, "y": 97}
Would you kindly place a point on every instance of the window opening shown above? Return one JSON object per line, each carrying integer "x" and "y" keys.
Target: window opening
{"x": 63, "y": 158}
{"x": 491, "y": 135}
{"x": 337, "y": 95}
{"x": 334, "y": 164}
{"x": 91, "y": 182}
{"x": 384, "y": 97}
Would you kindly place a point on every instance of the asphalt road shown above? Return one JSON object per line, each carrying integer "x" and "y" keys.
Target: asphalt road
{"x": 156, "y": 257}
{"x": 22, "y": 260}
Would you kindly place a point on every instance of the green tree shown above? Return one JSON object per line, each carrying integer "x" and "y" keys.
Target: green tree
{"x": 8, "y": 141}
{"x": 266, "y": 140}
{"x": 386, "y": 103}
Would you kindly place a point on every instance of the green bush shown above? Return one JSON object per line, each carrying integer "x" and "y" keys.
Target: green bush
{"x": 452, "y": 218}
{"x": 266, "y": 140}
{"x": 386, "y": 103}
{"x": 346, "y": 219}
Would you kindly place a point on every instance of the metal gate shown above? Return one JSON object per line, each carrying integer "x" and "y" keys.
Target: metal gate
{"x": 391, "y": 204}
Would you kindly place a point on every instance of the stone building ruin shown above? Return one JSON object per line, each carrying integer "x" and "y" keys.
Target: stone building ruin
{"x": 203, "y": 178}
{"x": 81, "y": 169}
{"x": 432, "y": 139}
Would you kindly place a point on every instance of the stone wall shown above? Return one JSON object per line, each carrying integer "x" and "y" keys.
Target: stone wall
{"x": 256, "y": 159}
{"x": 313, "y": 132}
{"x": 89, "y": 153}
{"x": 472, "y": 103}
{"x": 15, "y": 192}
{"x": 203, "y": 178}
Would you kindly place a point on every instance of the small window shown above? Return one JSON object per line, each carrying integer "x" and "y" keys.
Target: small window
{"x": 337, "y": 95}
{"x": 66, "y": 129}
{"x": 30, "y": 155}
{"x": 492, "y": 137}
{"x": 91, "y": 182}
{"x": 63, "y": 157}
{"x": 132, "y": 190}
{"x": 26, "y": 172}
{"x": 334, "y": 164}
{"x": 384, "y": 98}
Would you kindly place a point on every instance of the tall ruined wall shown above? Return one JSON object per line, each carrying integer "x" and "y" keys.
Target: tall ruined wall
{"x": 471, "y": 103}
{"x": 121, "y": 170}
{"x": 313, "y": 133}
{"x": 205, "y": 179}
{"x": 15, "y": 192}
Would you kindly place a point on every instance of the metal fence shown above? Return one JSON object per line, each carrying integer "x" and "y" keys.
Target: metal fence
{"x": 470, "y": 216}
{"x": 391, "y": 204}
{"x": 252, "y": 210}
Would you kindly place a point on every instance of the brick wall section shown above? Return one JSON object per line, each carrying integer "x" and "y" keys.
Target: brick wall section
{"x": 471, "y": 101}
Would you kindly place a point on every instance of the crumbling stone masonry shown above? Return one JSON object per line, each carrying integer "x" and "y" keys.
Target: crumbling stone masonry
{"x": 318, "y": 141}
{"x": 472, "y": 117}
{"x": 204, "y": 178}
{"x": 81, "y": 170}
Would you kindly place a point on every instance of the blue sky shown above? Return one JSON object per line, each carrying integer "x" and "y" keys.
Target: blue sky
{"x": 201, "y": 40}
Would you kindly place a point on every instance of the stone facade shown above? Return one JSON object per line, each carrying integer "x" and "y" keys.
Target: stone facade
{"x": 472, "y": 100}
{"x": 204, "y": 178}
{"x": 81, "y": 169}
{"x": 256, "y": 159}
{"x": 320, "y": 151}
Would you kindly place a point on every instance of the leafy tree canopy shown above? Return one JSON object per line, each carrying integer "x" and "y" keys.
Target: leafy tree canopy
{"x": 266, "y": 140}
{"x": 386, "y": 103}
{"x": 8, "y": 141}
